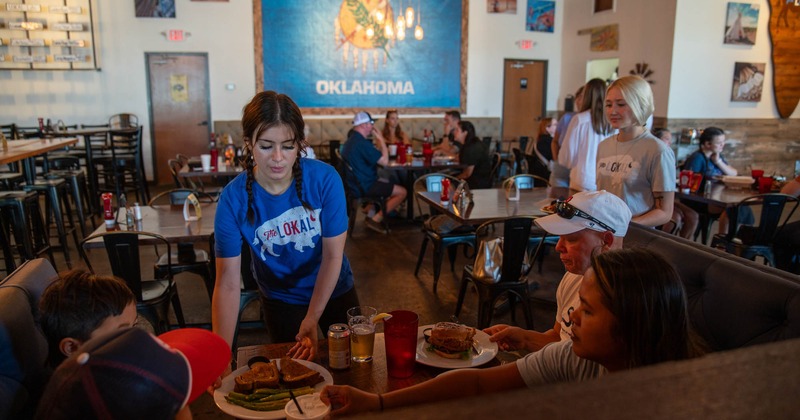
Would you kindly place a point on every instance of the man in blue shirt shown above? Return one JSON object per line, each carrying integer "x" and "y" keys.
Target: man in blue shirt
{"x": 364, "y": 158}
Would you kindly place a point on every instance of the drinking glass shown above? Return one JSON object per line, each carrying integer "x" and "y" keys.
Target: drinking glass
{"x": 205, "y": 161}
{"x": 400, "y": 332}
{"x": 362, "y": 332}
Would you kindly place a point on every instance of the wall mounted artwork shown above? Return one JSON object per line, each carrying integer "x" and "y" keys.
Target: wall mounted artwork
{"x": 748, "y": 82}
{"x": 541, "y": 16}
{"x": 336, "y": 56}
{"x": 501, "y": 6}
{"x": 155, "y": 8}
{"x": 784, "y": 31}
{"x": 741, "y": 23}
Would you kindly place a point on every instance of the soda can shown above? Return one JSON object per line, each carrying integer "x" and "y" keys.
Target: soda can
{"x": 339, "y": 346}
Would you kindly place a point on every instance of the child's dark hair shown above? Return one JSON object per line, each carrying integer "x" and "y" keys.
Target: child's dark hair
{"x": 76, "y": 304}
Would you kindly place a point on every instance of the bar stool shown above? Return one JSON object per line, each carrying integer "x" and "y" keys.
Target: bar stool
{"x": 68, "y": 169}
{"x": 55, "y": 193}
{"x": 22, "y": 221}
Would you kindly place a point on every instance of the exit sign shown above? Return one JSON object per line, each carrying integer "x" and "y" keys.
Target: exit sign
{"x": 175, "y": 35}
{"x": 525, "y": 44}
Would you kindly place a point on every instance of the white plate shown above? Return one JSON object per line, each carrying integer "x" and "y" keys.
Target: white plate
{"x": 486, "y": 352}
{"x": 243, "y": 413}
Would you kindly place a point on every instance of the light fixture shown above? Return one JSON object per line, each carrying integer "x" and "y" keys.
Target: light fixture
{"x": 388, "y": 30}
{"x": 401, "y": 33}
{"x": 409, "y": 17}
{"x": 418, "y": 32}
{"x": 379, "y": 17}
{"x": 370, "y": 32}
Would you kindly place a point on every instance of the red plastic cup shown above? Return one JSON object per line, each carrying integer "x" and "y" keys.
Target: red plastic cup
{"x": 764, "y": 184}
{"x": 400, "y": 333}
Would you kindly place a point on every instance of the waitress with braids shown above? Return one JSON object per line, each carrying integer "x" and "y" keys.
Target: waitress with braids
{"x": 292, "y": 213}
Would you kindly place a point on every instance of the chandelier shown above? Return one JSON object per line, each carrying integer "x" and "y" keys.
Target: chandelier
{"x": 396, "y": 30}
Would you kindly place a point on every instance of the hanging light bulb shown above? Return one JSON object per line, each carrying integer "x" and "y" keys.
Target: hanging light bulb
{"x": 409, "y": 17}
{"x": 371, "y": 32}
{"x": 401, "y": 33}
{"x": 401, "y": 23}
{"x": 418, "y": 32}
{"x": 388, "y": 30}
{"x": 379, "y": 17}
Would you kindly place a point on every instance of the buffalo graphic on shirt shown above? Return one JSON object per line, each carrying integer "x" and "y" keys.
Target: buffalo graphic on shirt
{"x": 296, "y": 225}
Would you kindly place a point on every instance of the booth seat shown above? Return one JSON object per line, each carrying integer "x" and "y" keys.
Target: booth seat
{"x": 733, "y": 302}
{"x": 324, "y": 129}
{"x": 23, "y": 347}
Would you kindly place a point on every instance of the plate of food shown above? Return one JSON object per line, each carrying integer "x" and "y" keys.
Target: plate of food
{"x": 451, "y": 346}
{"x": 261, "y": 390}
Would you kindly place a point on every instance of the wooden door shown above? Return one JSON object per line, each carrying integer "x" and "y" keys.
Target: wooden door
{"x": 180, "y": 114}
{"x": 524, "y": 97}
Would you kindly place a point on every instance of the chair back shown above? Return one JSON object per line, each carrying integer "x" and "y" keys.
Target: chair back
{"x": 349, "y": 178}
{"x": 9, "y": 131}
{"x": 122, "y": 249}
{"x": 497, "y": 159}
{"x": 537, "y": 165}
{"x": 523, "y": 142}
{"x": 174, "y": 168}
{"x": 772, "y": 210}
{"x": 126, "y": 144}
{"x": 526, "y": 181}
{"x": 520, "y": 163}
{"x": 99, "y": 141}
{"x": 177, "y": 196}
{"x": 516, "y": 233}
{"x": 431, "y": 182}
{"x": 123, "y": 121}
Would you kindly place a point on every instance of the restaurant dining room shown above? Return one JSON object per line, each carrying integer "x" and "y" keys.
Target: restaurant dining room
{"x": 265, "y": 209}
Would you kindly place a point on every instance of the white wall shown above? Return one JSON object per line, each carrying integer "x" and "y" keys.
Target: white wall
{"x": 223, "y": 30}
{"x": 702, "y": 74}
{"x": 492, "y": 39}
{"x": 645, "y": 35}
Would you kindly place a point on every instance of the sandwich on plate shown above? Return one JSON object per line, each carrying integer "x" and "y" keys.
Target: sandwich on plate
{"x": 451, "y": 340}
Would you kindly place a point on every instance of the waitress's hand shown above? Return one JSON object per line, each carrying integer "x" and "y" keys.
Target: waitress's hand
{"x": 307, "y": 344}
{"x": 218, "y": 382}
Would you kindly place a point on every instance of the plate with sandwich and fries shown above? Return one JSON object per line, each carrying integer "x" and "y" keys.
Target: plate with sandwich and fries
{"x": 451, "y": 346}
{"x": 261, "y": 389}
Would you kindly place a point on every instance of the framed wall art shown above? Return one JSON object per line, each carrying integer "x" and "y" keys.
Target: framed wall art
{"x": 748, "y": 82}
{"x": 336, "y": 56}
{"x": 741, "y": 23}
{"x": 541, "y": 16}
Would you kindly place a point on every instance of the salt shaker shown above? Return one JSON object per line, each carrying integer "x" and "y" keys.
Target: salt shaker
{"x": 137, "y": 211}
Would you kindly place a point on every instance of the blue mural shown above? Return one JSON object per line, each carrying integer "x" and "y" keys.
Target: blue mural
{"x": 337, "y": 53}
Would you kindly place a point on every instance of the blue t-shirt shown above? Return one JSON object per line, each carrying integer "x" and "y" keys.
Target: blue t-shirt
{"x": 285, "y": 238}
{"x": 699, "y": 163}
{"x": 363, "y": 158}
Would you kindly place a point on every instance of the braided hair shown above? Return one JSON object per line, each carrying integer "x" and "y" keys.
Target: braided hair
{"x": 266, "y": 110}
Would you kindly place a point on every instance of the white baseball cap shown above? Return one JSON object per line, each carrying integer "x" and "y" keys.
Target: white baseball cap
{"x": 602, "y": 206}
{"x": 362, "y": 117}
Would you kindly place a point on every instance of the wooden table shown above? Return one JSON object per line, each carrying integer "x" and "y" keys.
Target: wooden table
{"x": 168, "y": 222}
{"x": 720, "y": 196}
{"x": 412, "y": 172}
{"x": 368, "y": 376}
{"x": 491, "y": 204}
{"x": 26, "y": 150}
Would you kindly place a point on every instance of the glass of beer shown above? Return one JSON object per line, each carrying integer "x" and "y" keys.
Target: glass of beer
{"x": 362, "y": 332}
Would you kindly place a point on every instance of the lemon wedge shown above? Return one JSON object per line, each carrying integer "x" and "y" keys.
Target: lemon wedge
{"x": 380, "y": 317}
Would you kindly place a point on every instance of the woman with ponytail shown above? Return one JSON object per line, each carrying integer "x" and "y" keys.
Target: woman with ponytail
{"x": 292, "y": 214}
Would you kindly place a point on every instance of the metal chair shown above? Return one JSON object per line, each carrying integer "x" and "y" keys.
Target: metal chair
{"x": 513, "y": 279}
{"x": 527, "y": 181}
{"x": 123, "y": 120}
{"x": 123, "y": 171}
{"x": 22, "y": 221}
{"x": 153, "y": 296}
{"x": 249, "y": 291}
{"x": 497, "y": 159}
{"x": 753, "y": 241}
{"x": 356, "y": 196}
{"x": 441, "y": 240}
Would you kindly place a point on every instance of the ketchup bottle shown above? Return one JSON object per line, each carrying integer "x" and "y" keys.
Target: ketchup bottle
{"x": 445, "y": 197}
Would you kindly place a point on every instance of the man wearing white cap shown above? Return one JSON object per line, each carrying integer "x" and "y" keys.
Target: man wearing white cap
{"x": 588, "y": 222}
{"x": 364, "y": 158}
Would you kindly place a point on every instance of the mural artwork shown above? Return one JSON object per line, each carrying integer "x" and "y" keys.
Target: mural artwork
{"x": 347, "y": 54}
{"x": 784, "y": 31}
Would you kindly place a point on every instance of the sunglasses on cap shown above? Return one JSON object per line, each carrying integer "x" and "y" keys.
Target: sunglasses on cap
{"x": 568, "y": 211}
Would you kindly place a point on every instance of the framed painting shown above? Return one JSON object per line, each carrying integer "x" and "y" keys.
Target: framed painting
{"x": 748, "y": 82}
{"x": 338, "y": 56}
{"x": 155, "y": 8}
{"x": 741, "y": 23}
{"x": 541, "y": 16}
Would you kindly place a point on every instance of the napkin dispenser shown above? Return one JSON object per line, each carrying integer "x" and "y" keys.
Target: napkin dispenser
{"x": 191, "y": 203}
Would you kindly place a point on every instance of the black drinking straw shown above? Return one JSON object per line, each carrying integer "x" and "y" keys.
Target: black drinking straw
{"x": 297, "y": 404}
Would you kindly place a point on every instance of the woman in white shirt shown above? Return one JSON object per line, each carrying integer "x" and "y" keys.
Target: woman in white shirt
{"x": 586, "y": 130}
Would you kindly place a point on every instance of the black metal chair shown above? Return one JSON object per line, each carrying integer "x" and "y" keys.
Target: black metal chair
{"x": 441, "y": 240}
{"x": 513, "y": 279}
{"x": 153, "y": 296}
{"x": 753, "y": 241}
{"x": 188, "y": 258}
{"x": 23, "y": 222}
{"x": 357, "y": 197}
{"x": 123, "y": 120}
{"x": 123, "y": 170}
{"x": 497, "y": 159}
{"x": 248, "y": 294}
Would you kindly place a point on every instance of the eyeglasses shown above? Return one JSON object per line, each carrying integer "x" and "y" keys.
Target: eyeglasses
{"x": 568, "y": 211}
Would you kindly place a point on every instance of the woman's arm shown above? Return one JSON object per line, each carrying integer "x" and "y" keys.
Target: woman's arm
{"x": 328, "y": 276}
{"x": 449, "y": 385}
{"x": 466, "y": 173}
{"x": 722, "y": 165}
{"x": 225, "y": 301}
{"x": 660, "y": 213}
